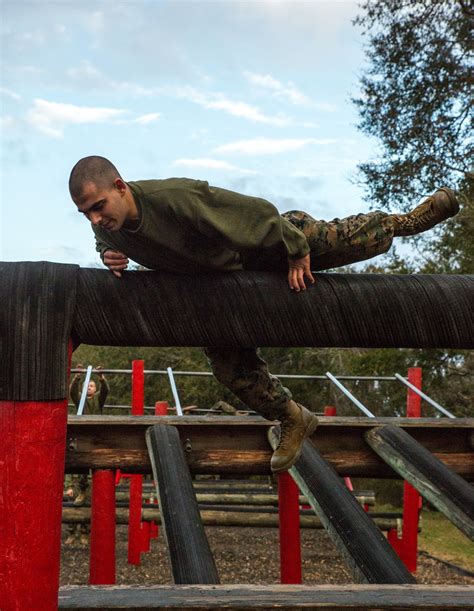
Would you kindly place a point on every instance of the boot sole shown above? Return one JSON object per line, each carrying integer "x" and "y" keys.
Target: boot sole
{"x": 312, "y": 426}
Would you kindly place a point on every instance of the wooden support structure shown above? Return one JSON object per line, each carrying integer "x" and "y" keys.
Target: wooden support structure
{"x": 219, "y": 517}
{"x": 366, "y": 551}
{"x": 190, "y": 554}
{"x": 238, "y": 445}
{"x": 281, "y": 597}
{"x": 445, "y": 489}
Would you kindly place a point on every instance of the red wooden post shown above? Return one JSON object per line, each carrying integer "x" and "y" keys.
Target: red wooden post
{"x": 407, "y": 546}
{"x": 411, "y": 497}
{"x": 289, "y": 524}
{"x": 135, "y": 532}
{"x": 329, "y": 410}
{"x": 32, "y": 453}
{"x": 102, "y": 546}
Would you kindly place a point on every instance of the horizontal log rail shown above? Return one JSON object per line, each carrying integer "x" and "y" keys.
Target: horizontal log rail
{"x": 283, "y": 597}
{"x": 217, "y": 517}
{"x": 237, "y": 445}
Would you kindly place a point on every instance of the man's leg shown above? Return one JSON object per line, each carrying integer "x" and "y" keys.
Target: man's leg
{"x": 363, "y": 236}
{"x": 344, "y": 241}
{"x": 243, "y": 372}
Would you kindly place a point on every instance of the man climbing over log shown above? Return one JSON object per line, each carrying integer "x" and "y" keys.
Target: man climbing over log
{"x": 187, "y": 226}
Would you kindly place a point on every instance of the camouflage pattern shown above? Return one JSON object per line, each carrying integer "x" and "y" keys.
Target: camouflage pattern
{"x": 243, "y": 372}
{"x": 344, "y": 241}
{"x": 333, "y": 244}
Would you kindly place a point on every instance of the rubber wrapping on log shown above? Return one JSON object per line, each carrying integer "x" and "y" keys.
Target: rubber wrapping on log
{"x": 44, "y": 305}
{"x": 36, "y": 316}
{"x": 257, "y": 309}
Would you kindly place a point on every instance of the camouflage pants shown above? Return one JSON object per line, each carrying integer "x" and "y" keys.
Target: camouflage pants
{"x": 333, "y": 244}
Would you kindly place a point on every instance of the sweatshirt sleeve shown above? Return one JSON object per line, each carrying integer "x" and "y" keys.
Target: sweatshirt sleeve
{"x": 74, "y": 391}
{"x": 247, "y": 223}
{"x": 103, "y": 392}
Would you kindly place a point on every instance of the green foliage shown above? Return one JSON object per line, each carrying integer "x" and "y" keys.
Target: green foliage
{"x": 415, "y": 97}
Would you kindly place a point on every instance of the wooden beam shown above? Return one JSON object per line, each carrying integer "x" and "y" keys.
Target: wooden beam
{"x": 368, "y": 554}
{"x": 283, "y": 597}
{"x": 218, "y": 517}
{"x": 238, "y": 445}
{"x": 189, "y": 550}
{"x": 446, "y": 490}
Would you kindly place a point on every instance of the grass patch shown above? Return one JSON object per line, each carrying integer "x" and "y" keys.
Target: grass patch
{"x": 439, "y": 537}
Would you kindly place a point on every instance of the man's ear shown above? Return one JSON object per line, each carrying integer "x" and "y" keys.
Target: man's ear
{"x": 120, "y": 185}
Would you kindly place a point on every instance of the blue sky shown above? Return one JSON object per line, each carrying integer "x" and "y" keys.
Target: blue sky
{"x": 251, "y": 96}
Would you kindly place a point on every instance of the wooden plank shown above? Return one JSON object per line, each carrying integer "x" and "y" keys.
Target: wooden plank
{"x": 446, "y": 490}
{"x": 238, "y": 445}
{"x": 363, "y": 546}
{"x": 189, "y": 550}
{"x": 283, "y": 597}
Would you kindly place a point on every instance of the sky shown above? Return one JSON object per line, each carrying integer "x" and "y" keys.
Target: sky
{"x": 252, "y": 96}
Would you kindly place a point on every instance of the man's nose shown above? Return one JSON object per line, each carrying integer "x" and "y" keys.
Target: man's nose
{"x": 95, "y": 217}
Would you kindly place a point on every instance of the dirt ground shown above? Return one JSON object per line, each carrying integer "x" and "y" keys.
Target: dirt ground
{"x": 242, "y": 555}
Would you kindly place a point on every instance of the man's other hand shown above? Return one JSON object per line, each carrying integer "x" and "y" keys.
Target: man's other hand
{"x": 115, "y": 261}
{"x": 297, "y": 270}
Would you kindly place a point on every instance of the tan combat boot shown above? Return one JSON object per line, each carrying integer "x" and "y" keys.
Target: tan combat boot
{"x": 435, "y": 209}
{"x": 295, "y": 426}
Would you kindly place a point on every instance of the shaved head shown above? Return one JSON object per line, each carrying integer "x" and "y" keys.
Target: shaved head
{"x": 95, "y": 169}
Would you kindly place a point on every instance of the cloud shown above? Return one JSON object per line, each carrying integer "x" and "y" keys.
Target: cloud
{"x": 286, "y": 91}
{"x": 211, "y": 164}
{"x": 52, "y": 117}
{"x": 218, "y": 101}
{"x": 282, "y": 91}
{"x": 266, "y": 146}
{"x": 149, "y": 118}
{"x": 10, "y": 94}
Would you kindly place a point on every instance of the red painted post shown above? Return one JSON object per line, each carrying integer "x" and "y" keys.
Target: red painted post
{"x": 32, "y": 453}
{"x": 329, "y": 410}
{"x": 289, "y": 524}
{"x": 411, "y": 497}
{"x": 102, "y": 546}
{"x": 135, "y": 533}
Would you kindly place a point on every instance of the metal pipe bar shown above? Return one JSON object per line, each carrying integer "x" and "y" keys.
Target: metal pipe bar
{"x": 419, "y": 392}
{"x": 209, "y": 374}
{"x": 83, "y": 398}
{"x": 174, "y": 390}
{"x": 349, "y": 395}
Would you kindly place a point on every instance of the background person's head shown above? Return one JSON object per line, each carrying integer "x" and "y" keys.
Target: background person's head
{"x": 91, "y": 389}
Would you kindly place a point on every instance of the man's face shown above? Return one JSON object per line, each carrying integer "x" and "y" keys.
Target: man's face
{"x": 91, "y": 389}
{"x": 106, "y": 207}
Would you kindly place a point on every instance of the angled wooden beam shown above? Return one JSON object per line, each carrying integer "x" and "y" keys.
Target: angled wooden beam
{"x": 189, "y": 550}
{"x": 448, "y": 492}
{"x": 281, "y": 597}
{"x": 367, "y": 553}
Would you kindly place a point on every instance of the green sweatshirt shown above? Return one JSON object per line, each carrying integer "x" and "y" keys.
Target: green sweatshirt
{"x": 186, "y": 226}
{"x": 92, "y": 406}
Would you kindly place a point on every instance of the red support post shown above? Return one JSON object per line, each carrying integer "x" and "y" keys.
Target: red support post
{"x": 329, "y": 410}
{"x": 411, "y": 497}
{"x": 407, "y": 546}
{"x": 102, "y": 541}
{"x": 32, "y": 454}
{"x": 136, "y": 543}
{"x": 289, "y": 524}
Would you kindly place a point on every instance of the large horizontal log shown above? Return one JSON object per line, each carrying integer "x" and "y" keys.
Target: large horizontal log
{"x": 281, "y": 597}
{"x": 258, "y": 309}
{"x": 44, "y": 304}
{"x": 237, "y": 445}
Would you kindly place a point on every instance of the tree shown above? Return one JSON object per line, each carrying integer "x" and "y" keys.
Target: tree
{"x": 415, "y": 97}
